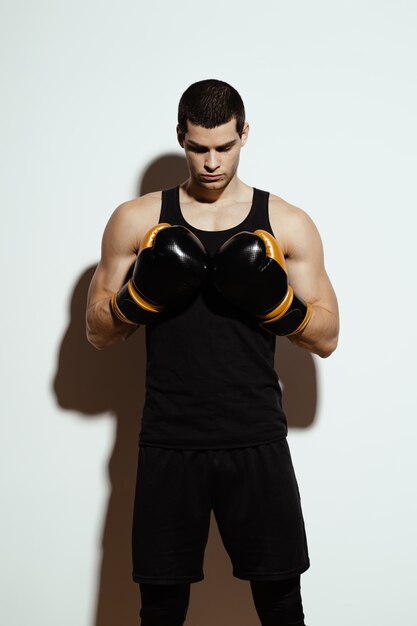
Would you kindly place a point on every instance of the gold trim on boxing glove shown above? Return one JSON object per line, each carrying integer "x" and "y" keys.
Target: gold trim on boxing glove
{"x": 304, "y": 322}
{"x": 148, "y": 240}
{"x": 144, "y": 304}
{"x": 273, "y": 250}
{"x": 281, "y": 309}
{"x": 118, "y": 313}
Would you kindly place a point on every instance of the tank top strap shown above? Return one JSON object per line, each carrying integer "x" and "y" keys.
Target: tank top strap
{"x": 169, "y": 206}
{"x": 258, "y": 218}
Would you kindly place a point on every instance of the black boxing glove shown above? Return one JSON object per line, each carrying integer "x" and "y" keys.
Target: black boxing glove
{"x": 171, "y": 265}
{"x": 249, "y": 270}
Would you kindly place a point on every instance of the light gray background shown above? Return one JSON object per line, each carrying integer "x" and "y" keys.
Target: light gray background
{"x": 88, "y": 113}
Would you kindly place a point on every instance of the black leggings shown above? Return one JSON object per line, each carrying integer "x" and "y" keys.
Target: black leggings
{"x": 277, "y": 603}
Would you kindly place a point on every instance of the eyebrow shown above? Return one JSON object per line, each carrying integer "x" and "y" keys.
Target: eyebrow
{"x": 198, "y": 145}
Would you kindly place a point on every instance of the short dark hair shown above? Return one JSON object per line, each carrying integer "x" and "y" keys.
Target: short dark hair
{"x": 210, "y": 103}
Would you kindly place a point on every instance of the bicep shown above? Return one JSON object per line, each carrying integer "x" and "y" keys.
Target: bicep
{"x": 118, "y": 253}
{"x": 305, "y": 265}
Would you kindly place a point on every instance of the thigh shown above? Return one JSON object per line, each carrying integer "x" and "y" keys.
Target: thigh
{"x": 257, "y": 506}
{"x": 171, "y": 515}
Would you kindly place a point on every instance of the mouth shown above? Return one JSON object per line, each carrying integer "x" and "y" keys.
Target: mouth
{"x": 211, "y": 177}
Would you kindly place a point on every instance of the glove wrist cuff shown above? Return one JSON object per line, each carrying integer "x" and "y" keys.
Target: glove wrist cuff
{"x": 292, "y": 321}
{"x": 130, "y": 307}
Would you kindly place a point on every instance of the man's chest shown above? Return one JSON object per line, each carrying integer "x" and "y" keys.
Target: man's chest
{"x": 215, "y": 218}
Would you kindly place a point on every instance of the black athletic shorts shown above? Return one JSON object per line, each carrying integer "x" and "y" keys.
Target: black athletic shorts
{"x": 254, "y": 495}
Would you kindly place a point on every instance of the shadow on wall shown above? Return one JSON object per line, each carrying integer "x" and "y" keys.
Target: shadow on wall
{"x": 112, "y": 380}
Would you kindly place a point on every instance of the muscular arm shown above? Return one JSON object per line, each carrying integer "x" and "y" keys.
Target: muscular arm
{"x": 120, "y": 244}
{"x": 307, "y": 275}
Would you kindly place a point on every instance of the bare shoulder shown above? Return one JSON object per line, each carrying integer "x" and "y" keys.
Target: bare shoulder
{"x": 124, "y": 231}
{"x": 132, "y": 219}
{"x": 292, "y": 226}
{"x": 140, "y": 209}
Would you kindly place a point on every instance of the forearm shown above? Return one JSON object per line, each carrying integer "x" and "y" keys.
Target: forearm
{"x": 103, "y": 328}
{"x": 321, "y": 333}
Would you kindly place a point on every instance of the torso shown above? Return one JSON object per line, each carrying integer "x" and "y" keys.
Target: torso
{"x": 211, "y": 380}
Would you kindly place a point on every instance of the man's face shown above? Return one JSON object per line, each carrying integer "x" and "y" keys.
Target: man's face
{"x": 212, "y": 153}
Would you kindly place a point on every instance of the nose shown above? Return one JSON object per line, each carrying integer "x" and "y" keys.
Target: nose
{"x": 212, "y": 161}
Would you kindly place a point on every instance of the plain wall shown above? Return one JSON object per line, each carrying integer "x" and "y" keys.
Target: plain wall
{"x": 88, "y": 113}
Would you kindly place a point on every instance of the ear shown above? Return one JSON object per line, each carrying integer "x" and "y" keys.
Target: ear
{"x": 245, "y": 133}
{"x": 180, "y": 136}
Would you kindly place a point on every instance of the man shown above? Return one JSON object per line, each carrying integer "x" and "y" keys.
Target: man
{"x": 214, "y": 269}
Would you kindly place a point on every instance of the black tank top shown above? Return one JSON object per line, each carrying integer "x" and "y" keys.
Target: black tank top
{"x": 210, "y": 376}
